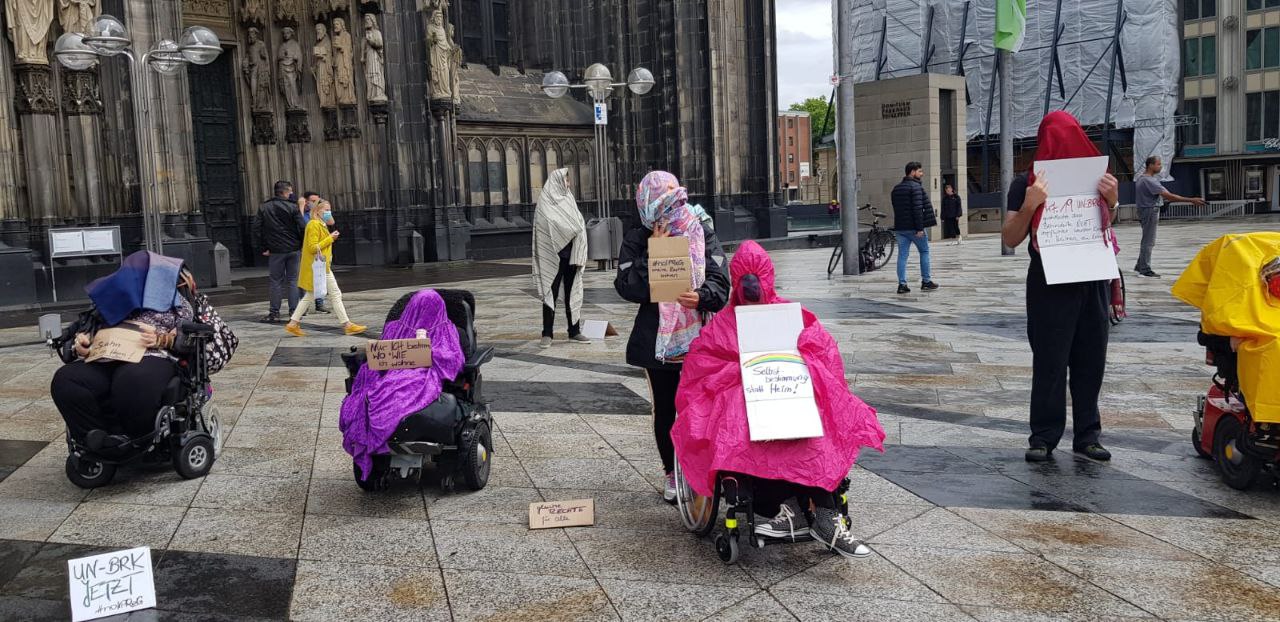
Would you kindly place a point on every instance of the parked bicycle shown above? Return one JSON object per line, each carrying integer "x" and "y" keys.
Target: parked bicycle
{"x": 875, "y": 247}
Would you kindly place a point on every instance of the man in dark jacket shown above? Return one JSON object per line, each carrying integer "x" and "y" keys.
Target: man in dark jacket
{"x": 279, "y": 235}
{"x": 912, "y": 217}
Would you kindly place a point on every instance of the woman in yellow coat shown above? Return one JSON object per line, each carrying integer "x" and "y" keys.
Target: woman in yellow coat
{"x": 319, "y": 241}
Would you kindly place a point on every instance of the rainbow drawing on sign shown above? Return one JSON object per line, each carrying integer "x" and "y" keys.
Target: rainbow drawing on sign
{"x": 774, "y": 357}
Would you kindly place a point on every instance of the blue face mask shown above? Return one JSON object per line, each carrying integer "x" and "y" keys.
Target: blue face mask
{"x": 326, "y": 216}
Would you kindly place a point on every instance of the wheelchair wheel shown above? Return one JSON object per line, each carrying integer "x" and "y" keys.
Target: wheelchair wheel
{"x": 727, "y": 548}
{"x": 379, "y": 475}
{"x": 698, "y": 513}
{"x": 195, "y": 458}
{"x": 89, "y": 474}
{"x": 477, "y": 457}
{"x": 1239, "y": 470}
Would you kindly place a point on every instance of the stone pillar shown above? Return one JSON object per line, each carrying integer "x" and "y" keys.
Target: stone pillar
{"x": 82, "y": 105}
{"x": 17, "y": 279}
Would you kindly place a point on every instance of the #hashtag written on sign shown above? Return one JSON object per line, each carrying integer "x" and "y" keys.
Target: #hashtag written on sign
{"x": 111, "y": 583}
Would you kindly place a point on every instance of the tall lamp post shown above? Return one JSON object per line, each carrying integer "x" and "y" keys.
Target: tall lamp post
{"x": 599, "y": 82}
{"x": 108, "y": 37}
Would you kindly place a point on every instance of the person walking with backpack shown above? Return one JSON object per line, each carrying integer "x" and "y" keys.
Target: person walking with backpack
{"x": 279, "y": 236}
{"x": 913, "y": 215}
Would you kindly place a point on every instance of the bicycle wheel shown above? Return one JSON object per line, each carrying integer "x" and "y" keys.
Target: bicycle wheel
{"x": 836, "y": 256}
{"x": 882, "y": 246}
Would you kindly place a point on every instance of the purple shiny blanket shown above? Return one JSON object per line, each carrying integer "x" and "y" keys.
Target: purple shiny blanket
{"x": 379, "y": 401}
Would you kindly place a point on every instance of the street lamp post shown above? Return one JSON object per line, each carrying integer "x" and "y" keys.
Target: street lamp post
{"x": 108, "y": 37}
{"x": 599, "y": 82}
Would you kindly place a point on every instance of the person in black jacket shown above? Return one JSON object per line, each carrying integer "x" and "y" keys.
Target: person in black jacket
{"x": 279, "y": 232}
{"x": 662, "y": 332}
{"x": 912, "y": 217}
{"x": 951, "y": 213}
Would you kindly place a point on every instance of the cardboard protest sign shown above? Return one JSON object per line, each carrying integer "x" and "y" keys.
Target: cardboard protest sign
{"x": 670, "y": 269}
{"x": 119, "y": 343}
{"x": 384, "y": 355}
{"x": 554, "y": 514}
{"x": 598, "y": 329}
{"x": 111, "y": 583}
{"x": 1072, "y": 244}
{"x": 775, "y": 379}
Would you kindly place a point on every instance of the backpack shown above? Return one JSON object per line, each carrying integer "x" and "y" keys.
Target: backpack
{"x": 218, "y": 350}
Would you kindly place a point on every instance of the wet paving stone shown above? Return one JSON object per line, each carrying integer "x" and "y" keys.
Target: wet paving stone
{"x": 600, "y": 398}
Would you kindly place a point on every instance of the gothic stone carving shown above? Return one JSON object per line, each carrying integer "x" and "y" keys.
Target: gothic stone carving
{"x": 264, "y": 129}
{"x": 81, "y": 94}
{"x": 322, "y": 68}
{"x": 217, "y": 9}
{"x": 297, "y": 128}
{"x": 331, "y": 131}
{"x": 442, "y": 54}
{"x": 289, "y": 11}
{"x": 254, "y": 12}
{"x": 350, "y": 122}
{"x": 379, "y": 112}
{"x": 35, "y": 89}
{"x": 322, "y": 8}
{"x": 290, "y": 64}
{"x": 375, "y": 76}
{"x": 29, "y": 22}
{"x": 78, "y": 15}
{"x": 257, "y": 72}
{"x": 344, "y": 80}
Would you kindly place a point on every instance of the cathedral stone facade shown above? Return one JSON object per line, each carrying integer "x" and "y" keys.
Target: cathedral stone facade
{"x": 421, "y": 120}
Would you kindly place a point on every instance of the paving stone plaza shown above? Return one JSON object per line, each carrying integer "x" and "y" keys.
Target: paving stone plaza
{"x": 962, "y": 528}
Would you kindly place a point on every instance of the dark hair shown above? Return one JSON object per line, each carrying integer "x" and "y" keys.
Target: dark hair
{"x": 949, "y": 185}
{"x": 1152, "y": 160}
{"x": 283, "y": 187}
{"x": 308, "y": 194}
{"x": 913, "y": 167}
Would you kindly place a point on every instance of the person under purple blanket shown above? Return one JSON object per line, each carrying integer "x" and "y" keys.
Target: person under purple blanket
{"x": 393, "y": 395}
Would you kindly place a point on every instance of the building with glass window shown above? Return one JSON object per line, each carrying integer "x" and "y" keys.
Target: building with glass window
{"x": 1231, "y": 85}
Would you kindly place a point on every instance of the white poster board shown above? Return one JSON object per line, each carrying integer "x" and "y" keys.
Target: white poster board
{"x": 67, "y": 242}
{"x": 111, "y": 583}
{"x": 1072, "y": 243}
{"x": 775, "y": 379}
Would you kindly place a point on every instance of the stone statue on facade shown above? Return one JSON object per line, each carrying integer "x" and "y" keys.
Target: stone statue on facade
{"x": 290, "y": 65}
{"x": 78, "y": 15}
{"x": 455, "y": 69}
{"x": 344, "y": 80}
{"x": 322, "y": 67}
{"x": 254, "y": 12}
{"x": 28, "y": 26}
{"x": 289, "y": 11}
{"x": 257, "y": 72}
{"x": 321, "y": 8}
{"x": 440, "y": 52}
{"x": 374, "y": 61}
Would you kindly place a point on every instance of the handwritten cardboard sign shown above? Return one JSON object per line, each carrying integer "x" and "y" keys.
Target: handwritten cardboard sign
{"x": 1072, "y": 243}
{"x": 119, "y": 343}
{"x": 399, "y": 354}
{"x": 670, "y": 269}
{"x": 555, "y": 514}
{"x": 111, "y": 583}
{"x": 775, "y": 379}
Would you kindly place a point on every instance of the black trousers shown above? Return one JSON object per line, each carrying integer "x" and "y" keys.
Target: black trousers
{"x": 769, "y": 494}
{"x": 1068, "y": 327}
{"x": 662, "y": 386}
{"x": 116, "y": 397}
{"x": 567, "y": 274}
{"x": 950, "y": 228}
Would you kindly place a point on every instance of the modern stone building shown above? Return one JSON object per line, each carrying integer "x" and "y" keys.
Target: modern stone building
{"x": 421, "y": 120}
{"x": 795, "y": 152}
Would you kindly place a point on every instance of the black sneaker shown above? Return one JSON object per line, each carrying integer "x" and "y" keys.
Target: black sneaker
{"x": 903, "y": 289}
{"x": 1039, "y": 454}
{"x": 928, "y": 286}
{"x": 829, "y": 529}
{"x": 1150, "y": 274}
{"x": 270, "y": 318}
{"x": 322, "y": 309}
{"x": 790, "y": 524}
{"x": 1095, "y": 451}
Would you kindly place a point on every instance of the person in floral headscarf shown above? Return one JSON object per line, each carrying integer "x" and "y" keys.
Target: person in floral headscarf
{"x": 662, "y": 332}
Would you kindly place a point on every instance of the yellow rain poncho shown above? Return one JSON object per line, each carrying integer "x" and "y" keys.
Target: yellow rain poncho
{"x": 1224, "y": 281}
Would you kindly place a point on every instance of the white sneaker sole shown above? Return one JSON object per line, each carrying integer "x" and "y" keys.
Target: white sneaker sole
{"x": 797, "y": 535}
{"x": 849, "y": 554}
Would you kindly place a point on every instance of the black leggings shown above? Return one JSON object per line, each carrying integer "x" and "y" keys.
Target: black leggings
{"x": 769, "y": 494}
{"x": 1068, "y": 327}
{"x": 567, "y": 273}
{"x": 116, "y": 397}
{"x": 662, "y": 385}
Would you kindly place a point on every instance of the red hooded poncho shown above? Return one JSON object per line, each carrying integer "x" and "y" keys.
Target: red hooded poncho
{"x": 710, "y": 433}
{"x": 1060, "y": 138}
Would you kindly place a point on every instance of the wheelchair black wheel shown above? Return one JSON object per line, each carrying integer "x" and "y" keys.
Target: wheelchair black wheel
{"x": 379, "y": 475}
{"x": 477, "y": 457}
{"x": 1238, "y": 469}
{"x": 837, "y": 254}
{"x": 727, "y": 547}
{"x": 89, "y": 474}
{"x": 195, "y": 458}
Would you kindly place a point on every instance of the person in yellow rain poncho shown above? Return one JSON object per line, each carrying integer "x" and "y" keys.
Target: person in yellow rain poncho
{"x": 1235, "y": 282}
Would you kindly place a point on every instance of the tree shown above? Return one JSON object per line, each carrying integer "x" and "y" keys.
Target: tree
{"x": 819, "y": 124}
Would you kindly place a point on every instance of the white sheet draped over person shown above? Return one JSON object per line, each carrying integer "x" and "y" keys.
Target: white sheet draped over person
{"x": 559, "y": 253}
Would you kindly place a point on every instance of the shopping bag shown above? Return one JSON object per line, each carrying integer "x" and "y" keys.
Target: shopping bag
{"x": 319, "y": 277}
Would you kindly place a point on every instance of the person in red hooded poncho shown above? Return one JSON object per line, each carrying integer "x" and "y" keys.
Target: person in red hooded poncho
{"x": 1067, "y": 324}
{"x": 711, "y": 436}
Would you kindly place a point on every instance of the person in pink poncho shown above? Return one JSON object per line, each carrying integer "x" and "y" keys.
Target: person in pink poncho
{"x": 711, "y": 434}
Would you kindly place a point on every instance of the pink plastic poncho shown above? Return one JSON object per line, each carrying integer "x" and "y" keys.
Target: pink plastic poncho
{"x": 710, "y": 432}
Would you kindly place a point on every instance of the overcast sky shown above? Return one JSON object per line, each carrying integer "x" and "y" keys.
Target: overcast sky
{"x": 804, "y": 50}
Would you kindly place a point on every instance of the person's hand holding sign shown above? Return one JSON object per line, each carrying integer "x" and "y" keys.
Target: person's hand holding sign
{"x": 1109, "y": 189}
{"x": 689, "y": 300}
{"x": 82, "y": 344}
{"x": 149, "y": 337}
{"x": 660, "y": 230}
{"x": 1037, "y": 194}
